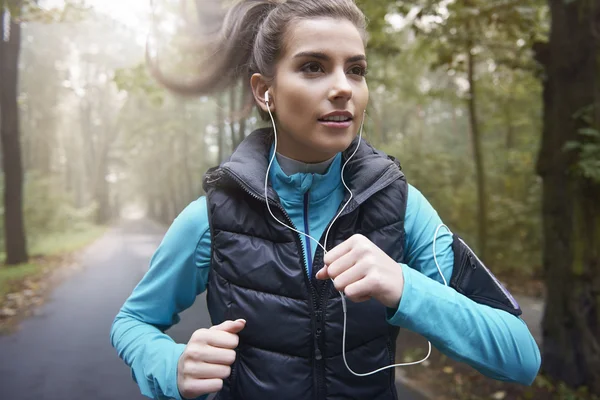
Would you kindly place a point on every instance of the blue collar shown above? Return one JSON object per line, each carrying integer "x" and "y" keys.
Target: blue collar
{"x": 292, "y": 188}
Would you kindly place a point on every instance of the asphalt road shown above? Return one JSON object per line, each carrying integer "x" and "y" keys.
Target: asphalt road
{"x": 64, "y": 351}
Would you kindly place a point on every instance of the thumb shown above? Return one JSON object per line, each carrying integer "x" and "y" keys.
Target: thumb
{"x": 322, "y": 273}
{"x": 230, "y": 326}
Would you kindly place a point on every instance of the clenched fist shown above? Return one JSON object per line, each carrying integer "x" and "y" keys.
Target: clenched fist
{"x": 207, "y": 359}
{"x": 362, "y": 271}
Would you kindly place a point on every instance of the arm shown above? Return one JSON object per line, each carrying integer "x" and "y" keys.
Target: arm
{"x": 494, "y": 342}
{"x": 178, "y": 273}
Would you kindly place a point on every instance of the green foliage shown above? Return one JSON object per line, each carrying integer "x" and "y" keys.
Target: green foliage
{"x": 418, "y": 113}
{"x": 588, "y": 149}
{"x": 586, "y": 146}
{"x": 560, "y": 391}
{"x": 74, "y": 238}
{"x": 30, "y": 10}
{"x": 137, "y": 80}
{"x": 378, "y": 26}
{"x": 13, "y": 274}
{"x": 48, "y": 211}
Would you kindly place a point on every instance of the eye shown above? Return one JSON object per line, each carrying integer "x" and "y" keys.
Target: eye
{"x": 312, "y": 68}
{"x": 358, "y": 70}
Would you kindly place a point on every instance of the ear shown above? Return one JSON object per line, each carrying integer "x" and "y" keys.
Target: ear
{"x": 259, "y": 88}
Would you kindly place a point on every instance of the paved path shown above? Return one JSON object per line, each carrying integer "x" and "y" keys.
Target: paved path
{"x": 64, "y": 351}
{"x": 533, "y": 311}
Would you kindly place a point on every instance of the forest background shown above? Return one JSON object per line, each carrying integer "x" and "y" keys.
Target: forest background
{"x": 491, "y": 107}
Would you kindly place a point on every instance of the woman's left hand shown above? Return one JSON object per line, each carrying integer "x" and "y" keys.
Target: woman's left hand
{"x": 362, "y": 270}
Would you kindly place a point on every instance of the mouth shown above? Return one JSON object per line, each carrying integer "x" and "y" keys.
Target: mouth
{"x": 337, "y": 119}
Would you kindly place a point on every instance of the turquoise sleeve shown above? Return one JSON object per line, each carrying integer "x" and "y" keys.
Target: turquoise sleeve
{"x": 178, "y": 273}
{"x": 494, "y": 342}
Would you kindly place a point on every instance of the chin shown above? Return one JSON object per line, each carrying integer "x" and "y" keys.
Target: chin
{"x": 333, "y": 146}
{"x": 342, "y": 142}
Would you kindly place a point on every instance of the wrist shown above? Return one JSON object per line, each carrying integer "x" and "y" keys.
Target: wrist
{"x": 395, "y": 287}
{"x": 393, "y": 294}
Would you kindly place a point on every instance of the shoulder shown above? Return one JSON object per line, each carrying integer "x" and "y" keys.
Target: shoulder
{"x": 415, "y": 197}
{"x": 420, "y": 214}
{"x": 190, "y": 224}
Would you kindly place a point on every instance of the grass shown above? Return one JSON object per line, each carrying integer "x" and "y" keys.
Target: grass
{"x": 10, "y": 276}
{"x": 51, "y": 245}
{"x": 67, "y": 242}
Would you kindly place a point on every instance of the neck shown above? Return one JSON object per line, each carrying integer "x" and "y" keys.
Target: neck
{"x": 290, "y": 166}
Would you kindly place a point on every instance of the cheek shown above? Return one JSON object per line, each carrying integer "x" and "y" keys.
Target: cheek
{"x": 362, "y": 94}
{"x": 298, "y": 100}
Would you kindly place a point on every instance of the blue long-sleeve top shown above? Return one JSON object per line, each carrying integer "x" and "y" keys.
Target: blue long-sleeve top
{"x": 494, "y": 342}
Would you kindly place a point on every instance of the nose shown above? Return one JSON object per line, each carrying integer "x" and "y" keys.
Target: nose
{"x": 340, "y": 87}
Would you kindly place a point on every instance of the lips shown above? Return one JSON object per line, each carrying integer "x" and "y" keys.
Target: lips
{"x": 337, "y": 120}
{"x": 337, "y": 116}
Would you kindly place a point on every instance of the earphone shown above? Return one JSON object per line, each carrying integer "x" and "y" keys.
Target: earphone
{"x": 327, "y": 234}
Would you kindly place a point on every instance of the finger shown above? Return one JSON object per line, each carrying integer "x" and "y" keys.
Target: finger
{"x": 213, "y": 355}
{"x": 348, "y": 277}
{"x": 322, "y": 273}
{"x": 193, "y": 388}
{"x": 200, "y": 370}
{"x": 360, "y": 299}
{"x": 224, "y": 340}
{"x": 342, "y": 264}
{"x": 358, "y": 290}
{"x": 230, "y": 326}
{"x": 339, "y": 250}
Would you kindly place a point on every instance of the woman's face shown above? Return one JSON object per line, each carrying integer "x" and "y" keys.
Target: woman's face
{"x": 319, "y": 92}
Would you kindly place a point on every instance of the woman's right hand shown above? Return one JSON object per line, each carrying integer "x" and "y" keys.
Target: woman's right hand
{"x": 207, "y": 359}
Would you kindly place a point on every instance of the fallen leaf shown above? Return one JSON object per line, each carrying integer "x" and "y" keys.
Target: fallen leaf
{"x": 448, "y": 370}
{"x": 499, "y": 395}
{"x": 7, "y": 312}
{"x": 458, "y": 379}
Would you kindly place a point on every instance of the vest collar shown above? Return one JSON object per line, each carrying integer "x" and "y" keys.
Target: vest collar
{"x": 369, "y": 171}
{"x": 293, "y": 187}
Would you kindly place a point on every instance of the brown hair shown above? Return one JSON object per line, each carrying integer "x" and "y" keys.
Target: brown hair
{"x": 250, "y": 40}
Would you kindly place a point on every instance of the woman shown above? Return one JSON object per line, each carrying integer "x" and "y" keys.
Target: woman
{"x": 280, "y": 329}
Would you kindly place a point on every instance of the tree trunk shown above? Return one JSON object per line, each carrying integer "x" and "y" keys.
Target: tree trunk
{"x": 220, "y": 128}
{"x": 478, "y": 155}
{"x": 102, "y": 190}
{"x": 14, "y": 227}
{"x": 236, "y": 112}
{"x": 188, "y": 184}
{"x": 241, "y": 131}
{"x": 510, "y": 144}
{"x": 232, "y": 117}
{"x": 571, "y": 205}
{"x": 510, "y": 129}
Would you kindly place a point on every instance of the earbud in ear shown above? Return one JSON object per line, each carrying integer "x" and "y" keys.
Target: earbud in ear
{"x": 267, "y": 96}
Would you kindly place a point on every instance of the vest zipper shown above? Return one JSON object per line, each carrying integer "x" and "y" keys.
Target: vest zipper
{"x": 321, "y": 300}
{"x": 307, "y": 231}
{"x": 318, "y": 357}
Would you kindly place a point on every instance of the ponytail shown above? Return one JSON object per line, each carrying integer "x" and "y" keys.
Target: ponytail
{"x": 249, "y": 40}
{"x": 229, "y": 49}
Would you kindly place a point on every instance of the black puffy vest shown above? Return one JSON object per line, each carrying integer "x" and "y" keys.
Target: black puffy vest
{"x": 291, "y": 347}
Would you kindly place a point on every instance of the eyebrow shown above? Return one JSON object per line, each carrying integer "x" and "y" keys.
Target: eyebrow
{"x": 325, "y": 57}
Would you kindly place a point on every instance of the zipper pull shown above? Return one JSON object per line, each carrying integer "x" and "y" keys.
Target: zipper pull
{"x": 318, "y": 355}
{"x": 471, "y": 261}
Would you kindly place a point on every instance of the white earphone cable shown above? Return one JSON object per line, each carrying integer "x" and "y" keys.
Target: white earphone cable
{"x": 327, "y": 234}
